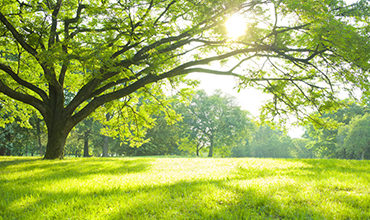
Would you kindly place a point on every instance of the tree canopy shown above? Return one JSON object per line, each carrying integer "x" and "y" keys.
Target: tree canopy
{"x": 214, "y": 122}
{"x": 330, "y": 142}
{"x": 106, "y": 56}
{"x": 356, "y": 135}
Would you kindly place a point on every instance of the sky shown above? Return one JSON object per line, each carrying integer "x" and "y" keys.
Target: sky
{"x": 249, "y": 99}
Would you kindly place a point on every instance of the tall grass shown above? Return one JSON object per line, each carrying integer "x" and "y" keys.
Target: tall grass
{"x": 183, "y": 188}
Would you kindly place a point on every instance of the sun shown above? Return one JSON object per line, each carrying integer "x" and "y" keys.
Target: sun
{"x": 235, "y": 26}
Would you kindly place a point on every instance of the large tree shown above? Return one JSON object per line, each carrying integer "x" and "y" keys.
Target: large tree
{"x": 102, "y": 51}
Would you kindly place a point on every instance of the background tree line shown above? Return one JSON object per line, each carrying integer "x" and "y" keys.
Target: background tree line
{"x": 210, "y": 125}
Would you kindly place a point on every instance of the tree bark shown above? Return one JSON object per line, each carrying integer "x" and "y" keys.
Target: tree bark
{"x": 105, "y": 146}
{"x": 2, "y": 150}
{"x": 106, "y": 138}
{"x": 38, "y": 130}
{"x": 363, "y": 154}
{"x": 210, "y": 153}
{"x": 86, "y": 144}
{"x": 57, "y": 136}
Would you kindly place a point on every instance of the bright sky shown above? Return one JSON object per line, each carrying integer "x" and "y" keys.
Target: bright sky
{"x": 249, "y": 99}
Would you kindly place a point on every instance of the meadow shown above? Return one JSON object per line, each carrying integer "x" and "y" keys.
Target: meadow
{"x": 183, "y": 188}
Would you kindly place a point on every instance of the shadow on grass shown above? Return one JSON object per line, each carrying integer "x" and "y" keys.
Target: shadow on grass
{"x": 182, "y": 200}
{"x": 11, "y": 161}
{"x": 350, "y": 166}
{"x": 74, "y": 168}
{"x": 232, "y": 198}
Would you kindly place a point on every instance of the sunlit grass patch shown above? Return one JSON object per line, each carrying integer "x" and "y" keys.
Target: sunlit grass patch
{"x": 183, "y": 188}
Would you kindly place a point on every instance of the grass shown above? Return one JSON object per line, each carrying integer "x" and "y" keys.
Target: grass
{"x": 183, "y": 188}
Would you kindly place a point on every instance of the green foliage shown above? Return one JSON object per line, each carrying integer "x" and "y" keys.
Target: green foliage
{"x": 356, "y": 137}
{"x": 267, "y": 142}
{"x": 72, "y": 59}
{"x": 299, "y": 150}
{"x": 214, "y": 122}
{"x": 21, "y": 137}
{"x": 329, "y": 141}
{"x": 183, "y": 188}
{"x": 163, "y": 140}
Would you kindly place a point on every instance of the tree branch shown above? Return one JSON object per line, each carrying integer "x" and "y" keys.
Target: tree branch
{"x": 24, "y": 83}
{"x": 138, "y": 55}
{"x": 54, "y": 23}
{"x": 110, "y": 85}
{"x": 164, "y": 12}
{"x": 17, "y": 36}
{"x": 38, "y": 104}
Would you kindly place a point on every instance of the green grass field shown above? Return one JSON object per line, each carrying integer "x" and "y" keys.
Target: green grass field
{"x": 183, "y": 188}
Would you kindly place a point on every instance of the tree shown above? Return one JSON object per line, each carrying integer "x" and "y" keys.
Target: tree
{"x": 86, "y": 130}
{"x": 106, "y": 52}
{"x": 106, "y": 139}
{"x": 242, "y": 149}
{"x": 300, "y": 150}
{"x": 328, "y": 142}
{"x": 267, "y": 142}
{"x": 37, "y": 131}
{"x": 357, "y": 136}
{"x": 19, "y": 137}
{"x": 162, "y": 139}
{"x": 216, "y": 122}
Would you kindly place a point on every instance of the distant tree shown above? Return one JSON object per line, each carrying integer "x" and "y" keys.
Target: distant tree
{"x": 190, "y": 141}
{"x": 357, "y": 136}
{"x": 242, "y": 149}
{"x": 300, "y": 149}
{"x": 17, "y": 140}
{"x": 342, "y": 148}
{"x": 106, "y": 138}
{"x": 19, "y": 137}
{"x": 267, "y": 142}
{"x": 6, "y": 139}
{"x": 324, "y": 139}
{"x": 162, "y": 139}
{"x": 215, "y": 121}
{"x": 38, "y": 128}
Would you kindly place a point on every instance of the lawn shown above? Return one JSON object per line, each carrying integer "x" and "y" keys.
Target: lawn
{"x": 183, "y": 188}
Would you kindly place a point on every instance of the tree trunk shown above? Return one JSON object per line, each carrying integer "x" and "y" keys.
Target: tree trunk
{"x": 86, "y": 144}
{"x": 105, "y": 146}
{"x": 106, "y": 138}
{"x": 2, "y": 150}
{"x": 363, "y": 154}
{"x": 38, "y": 130}
{"x": 8, "y": 150}
{"x": 210, "y": 153}
{"x": 56, "y": 141}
